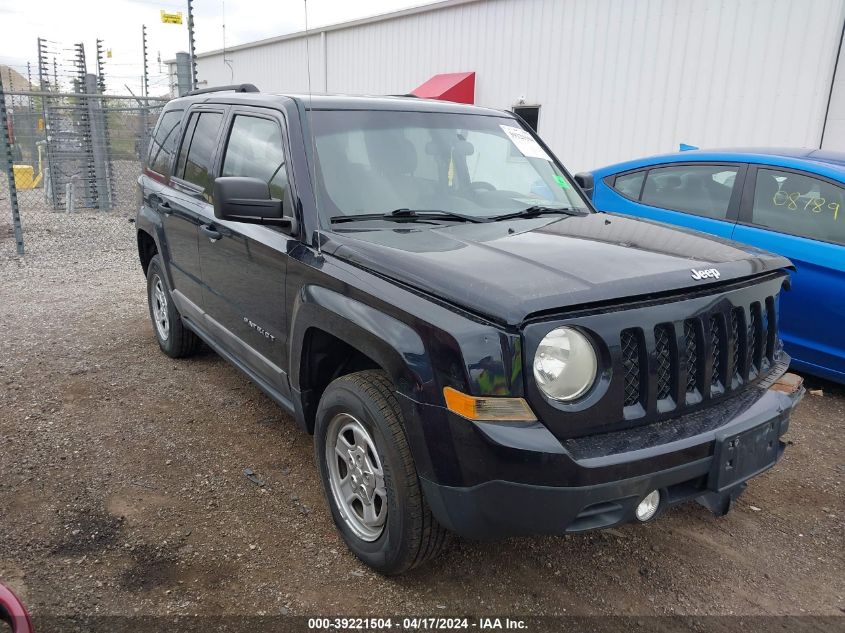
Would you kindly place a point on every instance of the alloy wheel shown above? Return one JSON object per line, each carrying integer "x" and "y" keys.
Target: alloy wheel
{"x": 159, "y": 305}
{"x": 356, "y": 476}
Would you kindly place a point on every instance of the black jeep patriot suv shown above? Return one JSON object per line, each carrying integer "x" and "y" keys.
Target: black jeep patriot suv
{"x": 475, "y": 349}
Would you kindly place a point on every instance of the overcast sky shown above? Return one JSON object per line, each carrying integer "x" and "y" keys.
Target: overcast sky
{"x": 118, "y": 23}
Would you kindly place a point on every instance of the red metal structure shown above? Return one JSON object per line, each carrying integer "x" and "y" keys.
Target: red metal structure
{"x": 457, "y": 87}
{"x": 13, "y": 612}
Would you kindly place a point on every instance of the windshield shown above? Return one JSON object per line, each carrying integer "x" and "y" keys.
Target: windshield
{"x": 376, "y": 162}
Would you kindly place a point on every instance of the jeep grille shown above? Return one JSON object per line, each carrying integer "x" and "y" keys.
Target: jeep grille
{"x": 631, "y": 361}
{"x": 716, "y": 360}
{"x": 691, "y": 350}
{"x": 733, "y": 355}
{"x": 664, "y": 357}
{"x": 738, "y": 344}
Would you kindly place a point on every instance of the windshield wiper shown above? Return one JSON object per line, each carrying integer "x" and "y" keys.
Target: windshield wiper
{"x": 408, "y": 215}
{"x": 404, "y": 213}
{"x": 536, "y": 210}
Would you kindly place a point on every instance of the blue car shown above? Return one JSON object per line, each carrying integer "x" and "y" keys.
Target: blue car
{"x": 788, "y": 201}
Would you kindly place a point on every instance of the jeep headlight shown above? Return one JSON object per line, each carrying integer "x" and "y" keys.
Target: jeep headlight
{"x": 565, "y": 364}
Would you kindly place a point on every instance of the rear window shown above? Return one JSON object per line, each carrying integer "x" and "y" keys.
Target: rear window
{"x": 163, "y": 143}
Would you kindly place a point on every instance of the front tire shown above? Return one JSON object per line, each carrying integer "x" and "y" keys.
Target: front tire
{"x": 173, "y": 337}
{"x": 369, "y": 476}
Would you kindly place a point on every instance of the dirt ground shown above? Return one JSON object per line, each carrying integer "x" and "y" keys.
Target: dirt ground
{"x": 122, "y": 487}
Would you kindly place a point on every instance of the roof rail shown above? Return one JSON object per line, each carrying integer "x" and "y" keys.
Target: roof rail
{"x": 233, "y": 88}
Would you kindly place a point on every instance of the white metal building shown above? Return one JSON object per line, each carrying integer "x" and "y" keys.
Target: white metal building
{"x": 614, "y": 79}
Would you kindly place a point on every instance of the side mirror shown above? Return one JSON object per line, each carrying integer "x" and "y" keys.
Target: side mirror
{"x": 586, "y": 182}
{"x": 242, "y": 199}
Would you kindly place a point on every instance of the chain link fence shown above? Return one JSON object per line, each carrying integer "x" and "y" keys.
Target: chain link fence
{"x": 75, "y": 157}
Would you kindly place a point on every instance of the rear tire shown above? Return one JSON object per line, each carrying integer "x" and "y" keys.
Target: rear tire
{"x": 173, "y": 337}
{"x": 360, "y": 426}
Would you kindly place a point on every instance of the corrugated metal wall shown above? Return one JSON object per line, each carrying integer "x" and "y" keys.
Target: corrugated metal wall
{"x": 277, "y": 67}
{"x": 615, "y": 79}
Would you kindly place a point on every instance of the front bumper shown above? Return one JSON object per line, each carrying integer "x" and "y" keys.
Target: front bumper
{"x": 536, "y": 484}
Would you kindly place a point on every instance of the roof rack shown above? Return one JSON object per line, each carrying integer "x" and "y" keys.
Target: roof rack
{"x": 233, "y": 88}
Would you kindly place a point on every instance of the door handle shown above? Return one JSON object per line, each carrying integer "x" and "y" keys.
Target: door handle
{"x": 210, "y": 233}
{"x": 165, "y": 208}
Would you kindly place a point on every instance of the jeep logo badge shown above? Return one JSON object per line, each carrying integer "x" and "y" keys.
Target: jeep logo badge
{"x": 711, "y": 273}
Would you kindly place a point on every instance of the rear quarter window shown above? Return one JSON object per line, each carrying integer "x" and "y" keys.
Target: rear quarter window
{"x": 163, "y": 143}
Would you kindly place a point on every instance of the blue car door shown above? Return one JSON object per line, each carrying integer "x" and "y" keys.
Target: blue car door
{"x": 700, "y": 196}
{"x": 802, "y": 216}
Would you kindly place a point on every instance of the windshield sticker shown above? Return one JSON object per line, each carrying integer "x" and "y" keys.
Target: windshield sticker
{"x": 562, "y": 182}
{"x": 525, "y": 143}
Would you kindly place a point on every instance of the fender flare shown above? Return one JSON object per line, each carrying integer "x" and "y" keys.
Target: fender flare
{"x": 149, "y": 222}
{"x": 394, "y": 345}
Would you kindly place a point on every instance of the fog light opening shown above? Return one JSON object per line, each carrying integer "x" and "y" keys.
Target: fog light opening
{"x": 648, "y": 506}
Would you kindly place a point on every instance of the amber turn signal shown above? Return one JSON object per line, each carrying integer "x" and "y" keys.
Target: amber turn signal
{"x": 488, "y": 408}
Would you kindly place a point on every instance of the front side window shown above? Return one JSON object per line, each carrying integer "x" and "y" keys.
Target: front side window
{"x": 255, "y": 150}
{"x": 163, "y": 143}
{"x": 630, "y": 185}
{"x": 200, "y": 150}
{"x": 799, "y": 204}
{"x": 703, "y": 190}
{"x": 374, "y": 162}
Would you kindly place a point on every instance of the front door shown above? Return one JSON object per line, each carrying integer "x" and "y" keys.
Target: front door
{"x": 161, "y": 194}
{"x": 244, "y": 265}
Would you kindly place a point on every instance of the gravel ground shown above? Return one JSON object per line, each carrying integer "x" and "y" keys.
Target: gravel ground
{"x": 122, "y": 489}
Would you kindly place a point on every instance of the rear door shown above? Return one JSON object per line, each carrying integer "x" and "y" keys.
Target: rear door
{"x": 189, "y": 202}
{"x": 700, "y": 196}
{"x": 244, "y": 265}
{"x": 179, "y": 247}
{"x": 802, "y": 216}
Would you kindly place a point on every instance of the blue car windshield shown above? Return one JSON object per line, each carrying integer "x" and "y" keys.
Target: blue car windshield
{"x": 374, "y": 162}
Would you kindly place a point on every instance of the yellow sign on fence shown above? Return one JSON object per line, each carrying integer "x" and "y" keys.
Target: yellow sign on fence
{"x": 171, "y": 18}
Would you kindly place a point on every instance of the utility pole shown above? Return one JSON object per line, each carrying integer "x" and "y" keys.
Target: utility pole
{"x": 191, "y": 45}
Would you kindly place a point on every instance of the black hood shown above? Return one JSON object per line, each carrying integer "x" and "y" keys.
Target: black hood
{"x": 509, "y": 270}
